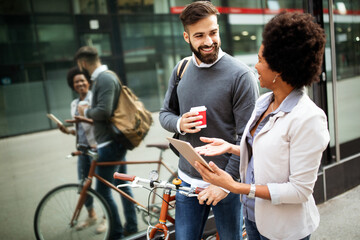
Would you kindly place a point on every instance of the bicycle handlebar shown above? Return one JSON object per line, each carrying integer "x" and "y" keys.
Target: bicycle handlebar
{"x": 77, "y": 153}
{"x": 124, "y": 177}
{"x": 162, "y": 184}
{"x": 92, "y": 152}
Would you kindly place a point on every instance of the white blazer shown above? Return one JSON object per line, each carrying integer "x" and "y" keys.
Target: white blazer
{"x": 287, "y": 154}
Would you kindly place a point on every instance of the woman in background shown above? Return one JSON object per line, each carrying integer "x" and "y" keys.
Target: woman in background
{"x": 84, "y": 131}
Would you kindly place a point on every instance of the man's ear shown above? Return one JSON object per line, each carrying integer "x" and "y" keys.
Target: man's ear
{"x": 81, "y": 64}
{"x": 78, "y": 63}
{"x": 186, "y": 37}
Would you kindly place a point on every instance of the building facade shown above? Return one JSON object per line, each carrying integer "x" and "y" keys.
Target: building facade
{"x": 142, "y": 41}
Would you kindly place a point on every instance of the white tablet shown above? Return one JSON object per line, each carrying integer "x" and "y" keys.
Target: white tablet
{"x": 56, "y": 120}
{"x": 188, "y": 152}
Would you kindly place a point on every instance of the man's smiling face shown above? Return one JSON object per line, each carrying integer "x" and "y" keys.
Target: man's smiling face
{"x": 204, "y": 39}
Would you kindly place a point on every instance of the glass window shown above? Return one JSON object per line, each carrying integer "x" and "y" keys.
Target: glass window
{"x": 176, "y": 6}
{"x": 25, "y": 97}
{"x": 347, "y": 46}
{"x": 46, "y": 6}
{"x": 137, "y": 6}
{"x": 246, "y": 28}
{"x": 22, "y": 108}
{"x": 3, "y": 34}
{"x": 56, "y": 38}
{"x": 15, "y": 74}
{"x": 90, "y": 6}
{"x": 246, "y": 3}
{"x": 246, "y": 39}
{"x": 180, "y": 2}
{"x": 281, "y": 4}
{"x": 17, "y": 42}
{"x": 99, "y": 40}
{"x": 14, "y": 6}
{"x": 58, "y": 92}
{"x": 347, "y": 57}
{"x": 149, "y": 52}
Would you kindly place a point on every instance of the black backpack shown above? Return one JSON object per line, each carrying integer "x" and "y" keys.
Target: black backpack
{"x": 174, "y": 101}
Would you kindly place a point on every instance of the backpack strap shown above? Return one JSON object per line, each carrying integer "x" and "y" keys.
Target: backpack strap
{"x": 184, "y": 63}
{"x": 116, "y": 76}
{"x": 121, "y": 88}
{"x": 173, "y": 100}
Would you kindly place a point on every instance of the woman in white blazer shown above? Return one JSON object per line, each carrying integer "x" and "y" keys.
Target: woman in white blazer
{"x": 281, "y": 148}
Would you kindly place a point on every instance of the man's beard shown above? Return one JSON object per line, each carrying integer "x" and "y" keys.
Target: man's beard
{"x": 206, "y": 58}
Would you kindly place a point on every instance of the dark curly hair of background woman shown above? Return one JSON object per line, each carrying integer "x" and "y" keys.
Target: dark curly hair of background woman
{"x": 294, "y": 47}
{"x": 72, "y": 73}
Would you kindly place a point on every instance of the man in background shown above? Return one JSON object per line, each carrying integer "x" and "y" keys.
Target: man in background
{"x": 106, "y": 91}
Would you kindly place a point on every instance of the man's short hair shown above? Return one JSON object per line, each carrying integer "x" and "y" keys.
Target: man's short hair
{"x": 72, "y": 73}
{"x": 197, "y": 11}
{"x": 87, "y": 53}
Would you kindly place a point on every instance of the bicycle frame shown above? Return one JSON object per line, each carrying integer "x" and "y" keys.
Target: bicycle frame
{"x": 164, "y": 216}
{"x": 88, "y": 182}
{"x": 166, "y": 199}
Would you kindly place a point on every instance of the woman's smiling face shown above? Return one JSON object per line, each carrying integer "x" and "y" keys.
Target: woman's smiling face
{"x": 81, "y": 85}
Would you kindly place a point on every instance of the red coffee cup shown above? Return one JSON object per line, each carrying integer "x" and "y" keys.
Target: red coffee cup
{"x": 202, "y": 111}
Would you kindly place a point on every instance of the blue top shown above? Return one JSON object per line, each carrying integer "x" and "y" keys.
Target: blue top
{"x": 80, "y": 131}
{"x": 286, "y": 106}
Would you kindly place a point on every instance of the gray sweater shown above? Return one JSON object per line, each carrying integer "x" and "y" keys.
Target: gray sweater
{"x": 229, "y": 90}
{"x": 106, "y": 92}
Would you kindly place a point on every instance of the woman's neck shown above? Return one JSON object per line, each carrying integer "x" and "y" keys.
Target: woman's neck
{"x": 280, "y": 93}
{"x": 82, "y": 96}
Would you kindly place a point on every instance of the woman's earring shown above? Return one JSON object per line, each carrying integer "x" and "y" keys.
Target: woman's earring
{"x": 275, "y": 78}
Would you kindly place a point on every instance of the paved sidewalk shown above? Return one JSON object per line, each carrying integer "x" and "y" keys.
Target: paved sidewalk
{"x": 340, "y": 217}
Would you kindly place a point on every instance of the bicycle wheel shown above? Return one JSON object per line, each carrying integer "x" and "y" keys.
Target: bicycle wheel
{"x": 54, "y": 213}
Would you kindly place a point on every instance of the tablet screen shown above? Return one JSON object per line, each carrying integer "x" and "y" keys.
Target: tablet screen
{"x": 188, "y": 152}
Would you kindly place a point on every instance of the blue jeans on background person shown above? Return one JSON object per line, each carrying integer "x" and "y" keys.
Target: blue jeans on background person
{"x": 83, "y": 167}
{"x": 128, "y": 206}
{"x": 111, "y": 153}
{"x": 253, "y": 233}
{"x": 191, "y": 217}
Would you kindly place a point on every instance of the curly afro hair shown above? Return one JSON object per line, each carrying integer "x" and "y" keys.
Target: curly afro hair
{"x": 294, "y": 46}
{"x": 72, "y": 73}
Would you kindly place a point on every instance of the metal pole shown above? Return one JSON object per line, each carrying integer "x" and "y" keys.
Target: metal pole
{"x": 334, "y": 79}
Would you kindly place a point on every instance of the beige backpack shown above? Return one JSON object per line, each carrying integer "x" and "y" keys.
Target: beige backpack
{"x": 131, "y": 120}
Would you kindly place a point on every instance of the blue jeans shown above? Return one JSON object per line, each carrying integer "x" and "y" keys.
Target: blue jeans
{"x": 110, "y": 153}
{"x": 253, "y": 233}
{"x": 83, "y": 167}
{"x": 128, "y": 207}
{"x": 191, "y": 217}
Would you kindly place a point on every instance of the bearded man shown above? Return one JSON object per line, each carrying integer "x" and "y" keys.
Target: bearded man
{"x": 228, "y": 89}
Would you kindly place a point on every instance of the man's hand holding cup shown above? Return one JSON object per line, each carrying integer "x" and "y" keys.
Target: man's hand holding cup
{"x": 194, "y": 120}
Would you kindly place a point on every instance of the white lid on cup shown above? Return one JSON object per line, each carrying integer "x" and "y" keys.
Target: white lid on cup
{"x": 198, "y": 109}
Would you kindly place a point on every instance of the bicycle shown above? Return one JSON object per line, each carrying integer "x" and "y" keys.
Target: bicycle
{"x": 161, "y": 227}
{"x": 161, "y": 230}
{"x": 59, "y": 211}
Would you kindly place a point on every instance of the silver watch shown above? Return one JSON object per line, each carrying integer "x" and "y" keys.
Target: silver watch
{"x": 251, "y": 194}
